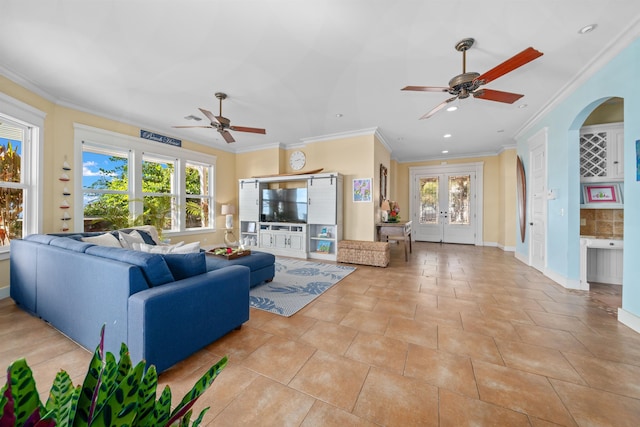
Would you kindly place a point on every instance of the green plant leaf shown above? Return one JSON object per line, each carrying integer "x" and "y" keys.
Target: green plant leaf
{"x": 22, "y": 391}
{"x": 198, "y": 420}
{"x": 200, "y": 386}
{"x": 120, "y": 407}
{"x": 106, "y": 385}
{"x": 163, "y": 407}
{"x": 89, "y": 386}
{"x": 125, "y": 365}
{"x": 147, "y": 399}
{"x": 63, "y": 399}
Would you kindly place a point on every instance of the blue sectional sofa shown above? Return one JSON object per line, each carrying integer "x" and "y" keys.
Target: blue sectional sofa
{"x": 164, "y": 307}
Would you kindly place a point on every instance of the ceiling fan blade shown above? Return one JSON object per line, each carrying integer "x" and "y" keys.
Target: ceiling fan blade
{"x": 185, "y": 127}
{"x": 426, "y": 88}
{"x": 497, "y": 95}
{"x": 527, "y": 55}
{"x": 438, "y": 108}
{"x": 227, "y": 136}
{"x": 246, "y": 129}
{"x": 209, "y": 115}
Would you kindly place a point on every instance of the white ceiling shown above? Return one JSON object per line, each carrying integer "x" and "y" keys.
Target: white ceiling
{"x": 291, "y": 66}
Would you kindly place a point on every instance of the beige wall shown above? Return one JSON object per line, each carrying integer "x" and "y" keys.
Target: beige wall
{"x": 499, "y": 206}
{"x": 353, "y": 157}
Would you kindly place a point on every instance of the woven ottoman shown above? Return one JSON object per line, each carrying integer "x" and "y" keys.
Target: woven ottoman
{"x": 261, "y": 264}
{"x": 376, "y": 254}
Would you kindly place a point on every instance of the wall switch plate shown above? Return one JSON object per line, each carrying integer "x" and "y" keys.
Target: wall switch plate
{"x": 583, "y": 222}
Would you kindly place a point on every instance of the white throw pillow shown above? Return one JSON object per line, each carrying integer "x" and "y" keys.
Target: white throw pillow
{"x": 187, "y": 248}
{"x": 106, "y": 239}
{"x": 178, "y": 248}
{"x": 127, "y": 240}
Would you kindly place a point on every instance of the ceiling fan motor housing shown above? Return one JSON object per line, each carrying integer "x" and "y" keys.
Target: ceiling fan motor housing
{"x": 466, "y": 81}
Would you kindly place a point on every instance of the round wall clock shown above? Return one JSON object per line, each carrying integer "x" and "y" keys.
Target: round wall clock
{"x": 297, "y": 160}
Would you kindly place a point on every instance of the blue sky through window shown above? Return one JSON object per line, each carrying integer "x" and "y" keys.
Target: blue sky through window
{"x": 91, "y": 165}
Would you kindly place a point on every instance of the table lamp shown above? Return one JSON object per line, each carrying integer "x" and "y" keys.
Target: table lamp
{"x": 228, "y": 211}
{"x": 385, "y": 208}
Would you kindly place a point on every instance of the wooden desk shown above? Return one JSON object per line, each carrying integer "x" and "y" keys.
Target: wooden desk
{"x": 400, "y": 230}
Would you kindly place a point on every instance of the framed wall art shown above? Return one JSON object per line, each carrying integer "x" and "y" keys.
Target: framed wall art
{"x": 601, "y": 193}
{"x": 362, "y": 190}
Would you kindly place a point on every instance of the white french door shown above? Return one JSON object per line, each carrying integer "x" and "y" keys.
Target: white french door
{"x": 445, "y": 208}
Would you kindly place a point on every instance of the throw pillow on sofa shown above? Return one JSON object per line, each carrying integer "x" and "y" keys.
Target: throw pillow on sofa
{"x": 128, "y": 239}
{"x": 178, "y": 248}
{"x": 183, "y": 266}
{"x": 106, "y": 239}
{"x": 135, "y": 232}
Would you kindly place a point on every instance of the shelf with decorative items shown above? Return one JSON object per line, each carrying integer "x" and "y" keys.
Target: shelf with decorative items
{"x": 323, "y": 240}
{"x": 64, "y": 204}
{"x": 249, "y": 233}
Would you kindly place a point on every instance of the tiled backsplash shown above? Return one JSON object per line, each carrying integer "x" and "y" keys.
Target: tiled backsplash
{"x": 606, "y": 223}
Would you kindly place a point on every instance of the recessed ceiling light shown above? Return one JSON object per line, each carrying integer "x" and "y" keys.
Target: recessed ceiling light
{"x": 338, "y": 115}
{"x": 587, "y": 28}
{"x": 522, "y": 106}
{"x": 445, "y": 151}
{"x": 447, "y": 135}
{"x": 452, "y": 108}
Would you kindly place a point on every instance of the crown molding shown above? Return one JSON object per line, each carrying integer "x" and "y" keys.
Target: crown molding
{"x": 607, "y": 54}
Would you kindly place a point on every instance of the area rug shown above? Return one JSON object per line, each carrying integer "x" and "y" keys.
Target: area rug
{"x": 296, "y": 283}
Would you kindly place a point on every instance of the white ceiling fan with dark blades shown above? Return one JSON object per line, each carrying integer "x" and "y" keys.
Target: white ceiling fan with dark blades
{"x": 468, "y": 83}
{"x": 223, "y": 124}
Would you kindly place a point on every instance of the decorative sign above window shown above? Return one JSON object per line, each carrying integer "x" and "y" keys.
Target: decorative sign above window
{"x": 145, "y": 134}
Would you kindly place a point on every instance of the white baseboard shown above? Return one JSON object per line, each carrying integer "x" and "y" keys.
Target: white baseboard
{"x": 500, "y": 246}
{"x": 4, "y": 293}
{"x": 629, "y": 319}
{"x": 522, "y": 258}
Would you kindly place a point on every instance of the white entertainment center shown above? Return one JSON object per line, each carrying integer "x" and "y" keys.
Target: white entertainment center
{"x": 295, "y": 215}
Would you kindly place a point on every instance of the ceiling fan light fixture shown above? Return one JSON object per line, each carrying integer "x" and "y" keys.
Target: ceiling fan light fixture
{"x": 587, "y": 28}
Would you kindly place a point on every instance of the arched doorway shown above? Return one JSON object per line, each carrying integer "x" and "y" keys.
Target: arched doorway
{"x": 601, "y": 188}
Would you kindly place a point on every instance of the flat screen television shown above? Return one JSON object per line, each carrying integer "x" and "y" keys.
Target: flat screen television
{"x": 284, "y": 205}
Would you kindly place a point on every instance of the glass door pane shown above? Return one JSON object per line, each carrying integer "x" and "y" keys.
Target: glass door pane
{"x": 429, "y": 203}
{"x": 459, "y": 199}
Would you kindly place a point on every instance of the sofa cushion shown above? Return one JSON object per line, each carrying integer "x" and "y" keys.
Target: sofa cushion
{"x": 153, "y": 266}
{"x": 40, "y": 238}
{"x": 183, "y": 266}
{"x": 71, "y": 244}
{"x": 105, "y": 239}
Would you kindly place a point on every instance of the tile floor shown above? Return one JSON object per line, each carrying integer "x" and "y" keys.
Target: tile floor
{"x": 458, "y": 336}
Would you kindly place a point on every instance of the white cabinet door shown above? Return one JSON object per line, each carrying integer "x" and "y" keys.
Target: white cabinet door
{"x": 296, "y": 242}
{"x": 601, "y": 153}
{"x": 266, "y": 240}
{"x": 281, "y": 240}
{"x": 322, "y": 197}
{"x": 249, "y": 200}
{"x": 616, "y": 157}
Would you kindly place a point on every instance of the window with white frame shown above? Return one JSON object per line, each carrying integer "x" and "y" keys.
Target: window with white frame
{"x": 129, "y": 181}
{"x": 20, "y": 147}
